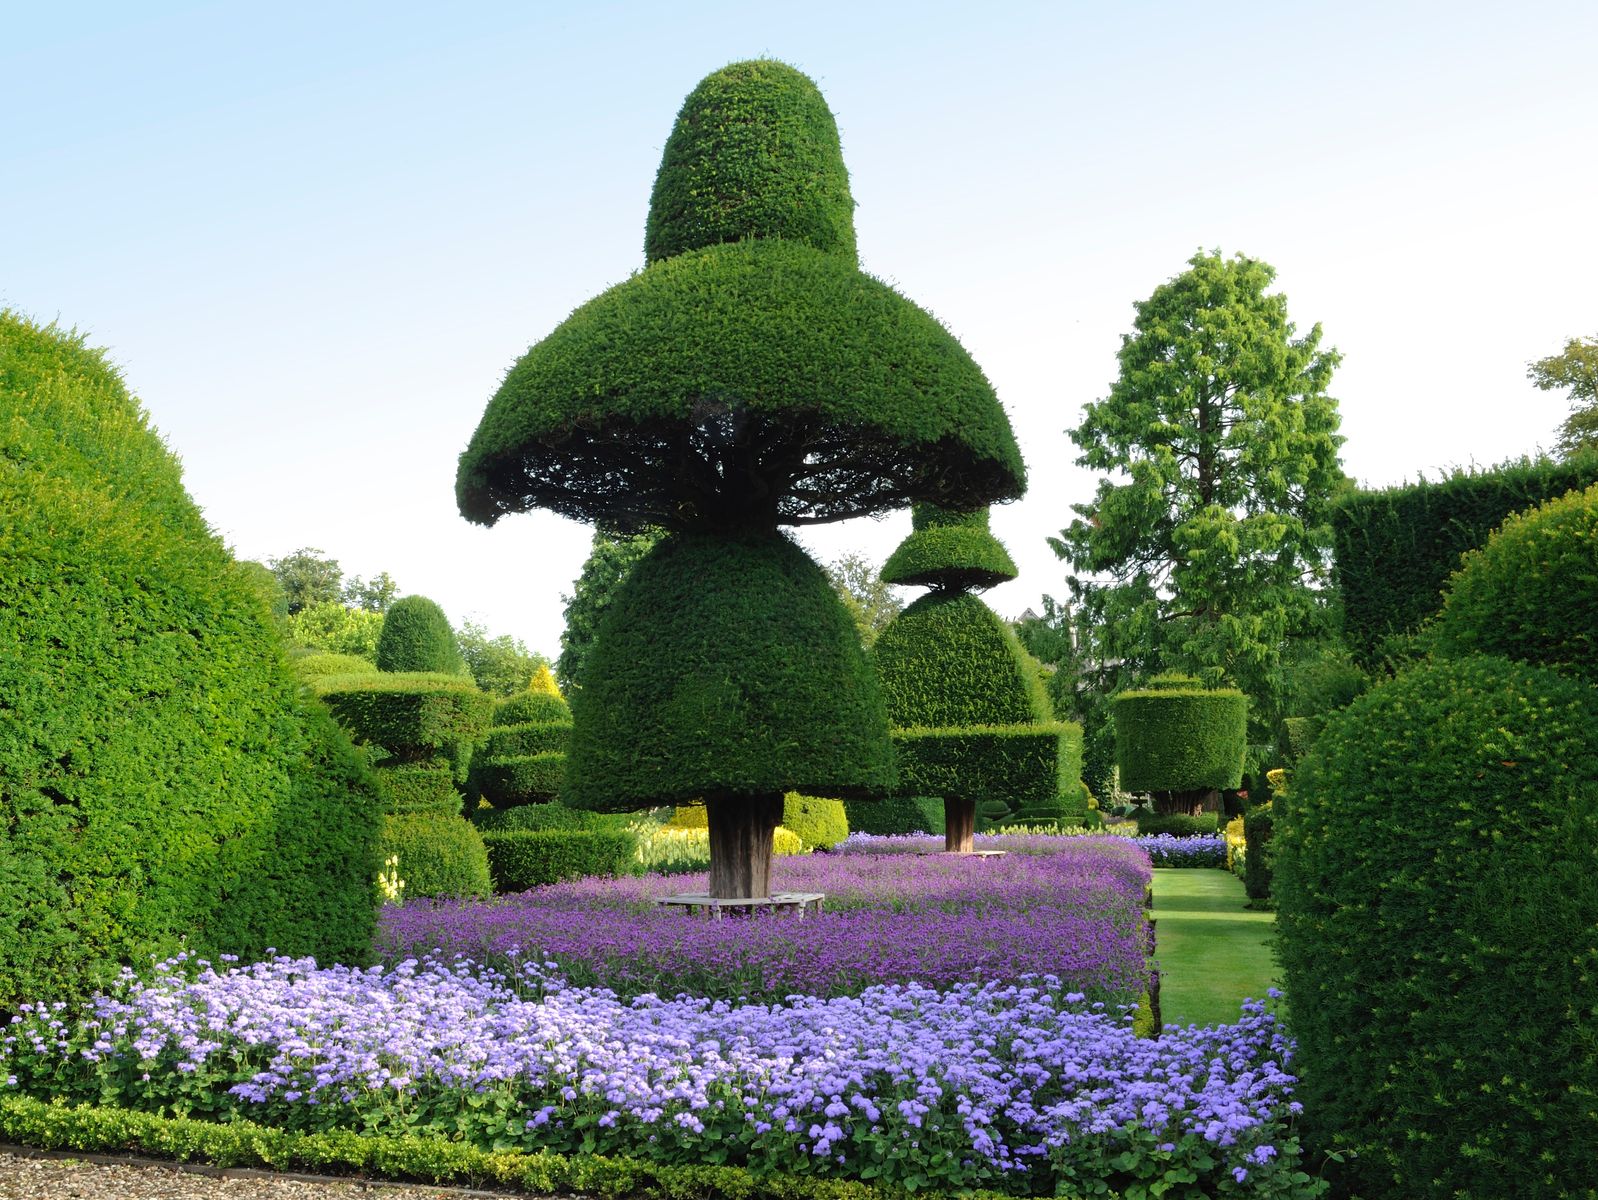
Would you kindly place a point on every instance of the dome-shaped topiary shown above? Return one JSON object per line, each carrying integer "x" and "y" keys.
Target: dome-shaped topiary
{"x": 532, "y": 707}
{"x": 949, "y": 659}
{"x": 753, "y": 154}
{"x": 1531, "y": 593}
{"x": 949, "y": 550}
{"x": 417, "y": 636}
{"x": 1437, "y": 913}
{"x": 725, "y": 666}
{"x": 1180, "y": 742}
{"x": 161, "y": 779}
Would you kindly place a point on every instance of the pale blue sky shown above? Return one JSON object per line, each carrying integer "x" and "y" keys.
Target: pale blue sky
{"x": 315, "y": 237}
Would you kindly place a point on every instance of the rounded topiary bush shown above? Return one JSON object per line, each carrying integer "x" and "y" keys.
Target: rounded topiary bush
{"x": 440, "y": 855}
{"x": 712, "y": 640}
{"x": 1176, "y": 738}
{"x": 1437, "y": 908}
{"x": 949, "y": 550}
{"x": 1531, "y": 593}
{"x": 421, "y": 787}
{"x": 161, "y": 779}
{"x": 820, "y": 823}
{"x": 533, "y": 708}
{"x": 417, "y": 636}
{"x": 950, "y": 660}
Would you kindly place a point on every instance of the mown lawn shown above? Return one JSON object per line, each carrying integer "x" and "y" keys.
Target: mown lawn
{"x": 1213, "y": 952}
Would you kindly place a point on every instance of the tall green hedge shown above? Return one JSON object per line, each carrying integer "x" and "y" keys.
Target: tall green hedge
{"x": 950, "y": 660}
{"x": 520, "y": 859}
{"x": 417, "y": 636}
{"x": 441, "y": 855}
{"x": 1175, "y": 739}
{"x": 896, "y": 815}
{"x": 1395, "y": 549}
{"x": 725, "y": 665}
{"x": 753, "y": 153}
{"x": 160, "y": 776}
{"x": 1004, "y": 769}
{"x": 1531, "y": 593}
{"x": 1437, "y": 912}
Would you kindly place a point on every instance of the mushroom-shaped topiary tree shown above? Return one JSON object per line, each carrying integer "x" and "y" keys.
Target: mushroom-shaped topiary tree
{"x": 971, "y": 719}
{"x": 1180, "y": 741}
{"x": 750, "y": 377}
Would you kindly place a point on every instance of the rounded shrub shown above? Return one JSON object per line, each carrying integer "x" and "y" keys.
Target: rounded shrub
{"x": 417, "y": 636}
{"x": 440, "y": 855}
{"x": 820, "y": 823}
{"x": 161, "y": 778}
{"x": 420, "y": 787}
{"x": 1180, "y": 738}
{"x": 1531, "y": 593}
{"x": 533, "y": 708}
{"x": 1437, "y": 909}
{"x": 948, "y": 660}
{"x": 753, "y": 153}
{"x": 725, "y": 666}
{"x": 949, "y": 550}
{"x": 416, "y": 717}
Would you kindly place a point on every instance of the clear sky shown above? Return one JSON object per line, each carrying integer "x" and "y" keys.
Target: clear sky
{"x": 315, "y": 236}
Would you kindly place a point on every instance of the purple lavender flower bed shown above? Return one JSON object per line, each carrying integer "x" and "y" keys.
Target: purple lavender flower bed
{"x": 1022, "y": 1087}
{"x": 1076, "y": 914}
{"x": 1164, "y": 849}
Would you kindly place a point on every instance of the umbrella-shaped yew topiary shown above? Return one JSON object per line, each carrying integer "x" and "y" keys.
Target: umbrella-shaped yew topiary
{"x": 750, "y": 377}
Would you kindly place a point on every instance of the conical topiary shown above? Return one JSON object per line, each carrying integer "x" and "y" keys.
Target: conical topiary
{"x": 416, "y": 636}
{"x": 749, "y": 377}
{"x": 972, "y": 721}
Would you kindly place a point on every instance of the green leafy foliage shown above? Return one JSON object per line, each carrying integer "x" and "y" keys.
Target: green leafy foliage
{"x": 1396, "y": 548}
{"x": 896, "y": 814}
{"x": 610, "y": 560}
{"x": 1004, "y": 769}
{"x": 440, "y": 854}
{"x": 869, "y": 600}
{"x": 160, "y": 777}
{"x": 313, "y": 666}
{"x": 819, "y": 823}
{"x": 548, "y": 816}
{"x": 950, "y": 660}
{"x": 1299, "y": 734}
{"x": 1531, "y": 593}
{"x": 818, "y": 372}
{"x": 502, "y": 666}
{"x": 414, "y": 716}
{"x": 1207, "y": 537}
{"x": 1176, "y": 824}
{"x": 949, "y": 550}
{"x": 505, "y": 741}
{"x": 753, "y": 153}
{"x": 1181, "y": 739}
{"x": 1259, "y": 825}
{"x": 523, "y": 858}
{"x": 532, "y": 708}
{"x": 511, "y": 779}
{"x": 725, "y": 666}
{"x": 1574, "y": 369}
{"x": 418, "y": 787}
{"x": 329, "y": 627}
{"x": 417, "y": 636}
{"x": 1437, "y": 911}
{"x": 307, "y": 577}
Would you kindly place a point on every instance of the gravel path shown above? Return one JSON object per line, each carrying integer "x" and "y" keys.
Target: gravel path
{"x": 106, "y": 1177}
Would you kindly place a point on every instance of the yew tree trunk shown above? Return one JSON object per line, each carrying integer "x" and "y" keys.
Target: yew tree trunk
{"x": 959, "y": 825}
{"x": 741, "y": 829}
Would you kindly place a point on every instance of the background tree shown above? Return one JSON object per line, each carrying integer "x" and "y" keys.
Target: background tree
{"x": 1208, "y": 548}
{"x": 732, "y": 387}
{"x": 870, "y": 602}
{"x": 329, "y": 627}
{"x": 503, "y": 665}
{"x": 1574, "y": 369}
{"x": 610, "y": 560}
{"x": 374, "y": 595}
{"x": 308, "y": 577}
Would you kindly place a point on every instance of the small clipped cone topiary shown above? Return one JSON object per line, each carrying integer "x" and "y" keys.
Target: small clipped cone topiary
{"x": 1437, "y": 924}
{"x": 416, "y": 636}
{"x": 1531, "y": 593}
{"x": 952, "y": 550}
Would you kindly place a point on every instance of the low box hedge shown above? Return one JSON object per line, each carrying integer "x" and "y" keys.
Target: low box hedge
{"x": 520, "y": 859}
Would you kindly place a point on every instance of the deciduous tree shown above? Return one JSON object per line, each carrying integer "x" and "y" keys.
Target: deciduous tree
{"x": 1574, "y": 369}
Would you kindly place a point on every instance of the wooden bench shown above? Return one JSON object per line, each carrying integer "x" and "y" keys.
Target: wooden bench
{"x": 799, "y": 902}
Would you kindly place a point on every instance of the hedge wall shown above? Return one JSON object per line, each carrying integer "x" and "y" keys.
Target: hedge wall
{"x": 160, "y": 777}
{"x": 898, "y": 814}
{"x": 522, "y": 858}
{"x": 508, "y": 741}
{"x": 1396, "y": 548}
{"x": 1014, "y": 767}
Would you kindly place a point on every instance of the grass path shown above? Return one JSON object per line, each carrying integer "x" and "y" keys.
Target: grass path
{"x": 1213, "y": 952}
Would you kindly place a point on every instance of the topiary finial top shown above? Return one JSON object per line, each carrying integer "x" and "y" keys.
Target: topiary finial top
{"x": 754, "y": 153}
{"x": 951, "y": 550}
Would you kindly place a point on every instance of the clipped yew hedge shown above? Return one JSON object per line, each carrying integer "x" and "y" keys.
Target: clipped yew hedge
{"x": 441, "y": 855}
{"x": 1531, "y": 593}
{"x": 896, "y": 815}
{"x": 1180, "y": 739}
{"x": 1396, "y": 548}
{"x": 948, "y": 549}
{"x": 1004, "y": 769}
{"x": 1437, "y": 910}
{"x": 419, "y": 787}
{"x": 520, "y": 859}
{"x": 416, "y": 636}
{"x": 415, "y": 716}
{"x": 161, "y": 778}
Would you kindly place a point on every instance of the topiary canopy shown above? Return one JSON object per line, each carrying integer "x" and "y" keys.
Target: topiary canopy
{"x": 726, "y": 666}
{"x": 949, "y": 550}
{"x": 416, "y": 636}
{"x": 751, "y": 376}
{"x": 1175, "y": 739}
